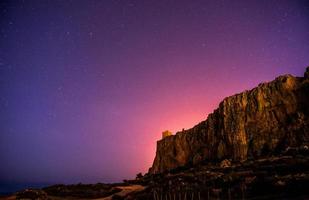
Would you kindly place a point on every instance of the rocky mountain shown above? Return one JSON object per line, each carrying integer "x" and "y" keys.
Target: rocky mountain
{"x": 264, "y": 121}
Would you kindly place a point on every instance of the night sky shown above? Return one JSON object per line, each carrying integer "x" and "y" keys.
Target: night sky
{"x": 87, "y": 87}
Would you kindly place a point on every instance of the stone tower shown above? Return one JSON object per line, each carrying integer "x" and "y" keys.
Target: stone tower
{"x": 166, "y": 134}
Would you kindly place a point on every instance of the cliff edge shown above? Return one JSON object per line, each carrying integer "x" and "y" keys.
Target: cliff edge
{"x": 260, "y": 122}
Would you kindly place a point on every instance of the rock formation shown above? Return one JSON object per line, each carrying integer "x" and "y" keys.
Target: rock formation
{"x": 260, "y": 122}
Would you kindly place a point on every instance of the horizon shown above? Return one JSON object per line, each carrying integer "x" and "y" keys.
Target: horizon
{"x": 87, "y": 87}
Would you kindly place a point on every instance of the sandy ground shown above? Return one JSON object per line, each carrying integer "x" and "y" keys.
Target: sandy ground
{"x": 125, "y": 191}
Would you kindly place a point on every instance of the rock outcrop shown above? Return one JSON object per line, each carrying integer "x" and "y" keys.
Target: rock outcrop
{"x": 260, "y": 122}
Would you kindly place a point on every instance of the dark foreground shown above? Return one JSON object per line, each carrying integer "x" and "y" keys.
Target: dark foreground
{"x": 276, "y": 177}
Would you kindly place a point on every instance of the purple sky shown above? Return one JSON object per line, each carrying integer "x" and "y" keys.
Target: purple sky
{"x": 87, "y": 87}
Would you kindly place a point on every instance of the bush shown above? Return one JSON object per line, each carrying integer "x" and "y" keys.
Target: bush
{"x": 139, "y": 176}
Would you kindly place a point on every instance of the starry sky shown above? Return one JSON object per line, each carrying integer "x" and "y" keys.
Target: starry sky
{"x": 87, "y": 87}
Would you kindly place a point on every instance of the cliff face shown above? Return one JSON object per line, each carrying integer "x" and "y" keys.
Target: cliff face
{"x": 260, "y": 122}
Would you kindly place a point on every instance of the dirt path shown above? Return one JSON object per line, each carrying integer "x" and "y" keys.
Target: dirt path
{"x": 125, "y": 191}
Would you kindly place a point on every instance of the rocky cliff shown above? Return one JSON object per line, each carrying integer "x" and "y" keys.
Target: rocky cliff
{"x": 260, "y": 122}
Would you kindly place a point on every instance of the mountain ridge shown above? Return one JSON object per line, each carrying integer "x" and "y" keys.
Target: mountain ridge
{"x": 248, "y": 125}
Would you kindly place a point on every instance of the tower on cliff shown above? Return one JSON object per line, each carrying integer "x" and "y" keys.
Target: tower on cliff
{"x": 166, "y": 133}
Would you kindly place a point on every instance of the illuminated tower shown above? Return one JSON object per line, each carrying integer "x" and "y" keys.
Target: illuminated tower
{"x": 166, "y": 134}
